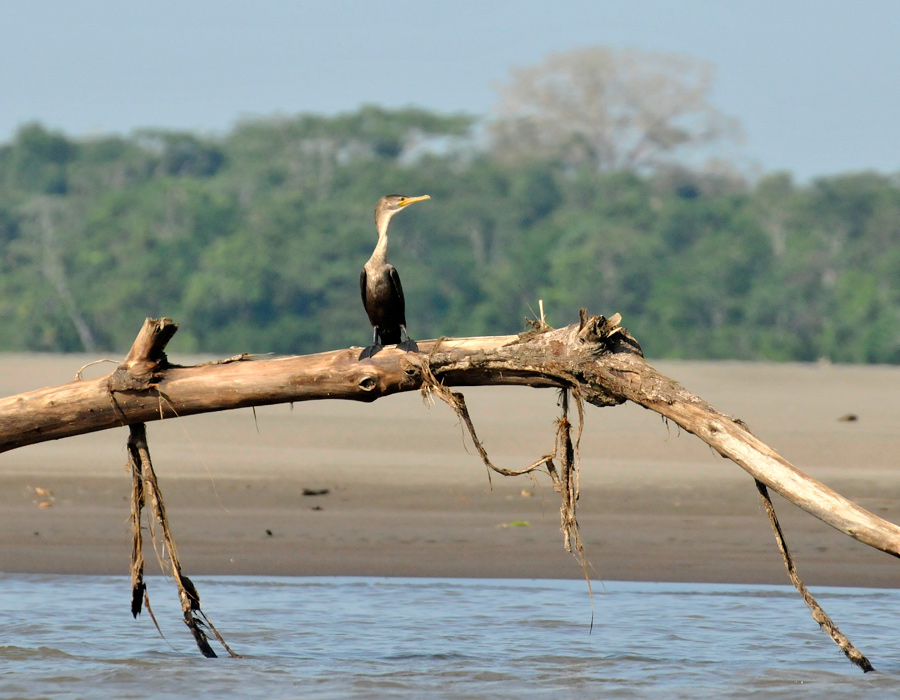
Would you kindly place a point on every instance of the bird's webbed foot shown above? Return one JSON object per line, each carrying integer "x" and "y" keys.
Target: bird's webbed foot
{"x": 370, "y": 351}
{"x": 409, "y": 345}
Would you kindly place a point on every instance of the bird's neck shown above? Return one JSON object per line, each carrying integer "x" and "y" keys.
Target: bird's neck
{"x": 379, "y": 255}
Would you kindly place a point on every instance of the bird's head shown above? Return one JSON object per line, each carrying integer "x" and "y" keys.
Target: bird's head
{"x": 392, "y": 203}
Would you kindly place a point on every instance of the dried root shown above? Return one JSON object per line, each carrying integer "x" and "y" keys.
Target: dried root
{"x": 565, "y": 478}
{"x": 145, "y": 486}
{"x": 818, "y": 613}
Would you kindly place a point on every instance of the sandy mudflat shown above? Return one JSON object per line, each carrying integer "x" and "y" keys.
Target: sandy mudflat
{"x": 407, "y": 497}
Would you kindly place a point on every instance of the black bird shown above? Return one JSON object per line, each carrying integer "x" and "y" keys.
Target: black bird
{"x": 379, "y": 284}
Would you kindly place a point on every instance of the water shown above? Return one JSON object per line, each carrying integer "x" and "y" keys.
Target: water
{"x": 73, "y": 637}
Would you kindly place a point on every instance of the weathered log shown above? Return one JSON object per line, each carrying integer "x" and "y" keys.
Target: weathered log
{"x": 595, "y": 356}
{"x": 596, "y": 360}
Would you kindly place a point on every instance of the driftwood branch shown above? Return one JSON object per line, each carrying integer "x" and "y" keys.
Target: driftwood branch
{"x": 596, "y": 357}
{"x": 596, "y": 360}
{"x": 135, "y": 373}
{"x": 194, "y": 617}
{"x": 818, "y": 613}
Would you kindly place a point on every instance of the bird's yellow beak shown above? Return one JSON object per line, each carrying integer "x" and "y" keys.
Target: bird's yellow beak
{"x": 412, "y": 200}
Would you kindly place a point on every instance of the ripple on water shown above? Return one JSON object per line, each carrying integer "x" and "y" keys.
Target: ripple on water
{"x": 347, "y": 638}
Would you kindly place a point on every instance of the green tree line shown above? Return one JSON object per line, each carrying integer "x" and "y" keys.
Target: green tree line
{"x": 253, "y": 241}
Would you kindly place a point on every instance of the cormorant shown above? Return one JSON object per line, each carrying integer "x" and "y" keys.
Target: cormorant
{"x": 379, "y": 284}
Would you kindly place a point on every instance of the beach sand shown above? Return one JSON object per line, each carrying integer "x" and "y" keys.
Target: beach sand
{"x": 408, "y": 496}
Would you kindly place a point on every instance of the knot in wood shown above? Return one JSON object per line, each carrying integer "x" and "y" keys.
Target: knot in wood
{"x": 137, "y": 377}
{"x": 411, "y": 371}
{"x": 412, "y": 376}
{"x": 367, "y": 383}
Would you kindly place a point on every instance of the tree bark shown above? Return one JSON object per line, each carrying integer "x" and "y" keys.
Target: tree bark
{"x": 596, "y": 357}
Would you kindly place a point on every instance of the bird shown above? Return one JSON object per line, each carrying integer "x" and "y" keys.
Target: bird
{"x": 379, "y": 284}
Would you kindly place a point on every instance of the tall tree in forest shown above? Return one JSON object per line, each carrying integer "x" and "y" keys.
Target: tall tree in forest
{"x": 608, "y": 109}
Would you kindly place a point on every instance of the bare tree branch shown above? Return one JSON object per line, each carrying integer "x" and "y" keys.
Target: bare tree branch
{"x": 596, "y": 360}
{"x": 597, "y": 357}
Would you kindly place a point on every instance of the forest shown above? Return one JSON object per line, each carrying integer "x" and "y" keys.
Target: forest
{"x": 253, "y": 241}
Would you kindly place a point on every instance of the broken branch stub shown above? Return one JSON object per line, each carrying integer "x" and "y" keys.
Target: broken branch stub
{"x": 140, "y": 368}
{"x": 139, "y": 371}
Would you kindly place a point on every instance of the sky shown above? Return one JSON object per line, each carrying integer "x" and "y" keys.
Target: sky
{"x": 815, "y": 84}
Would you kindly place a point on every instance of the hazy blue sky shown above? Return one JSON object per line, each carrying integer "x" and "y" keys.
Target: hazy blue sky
{"x": 815, "y": 83}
